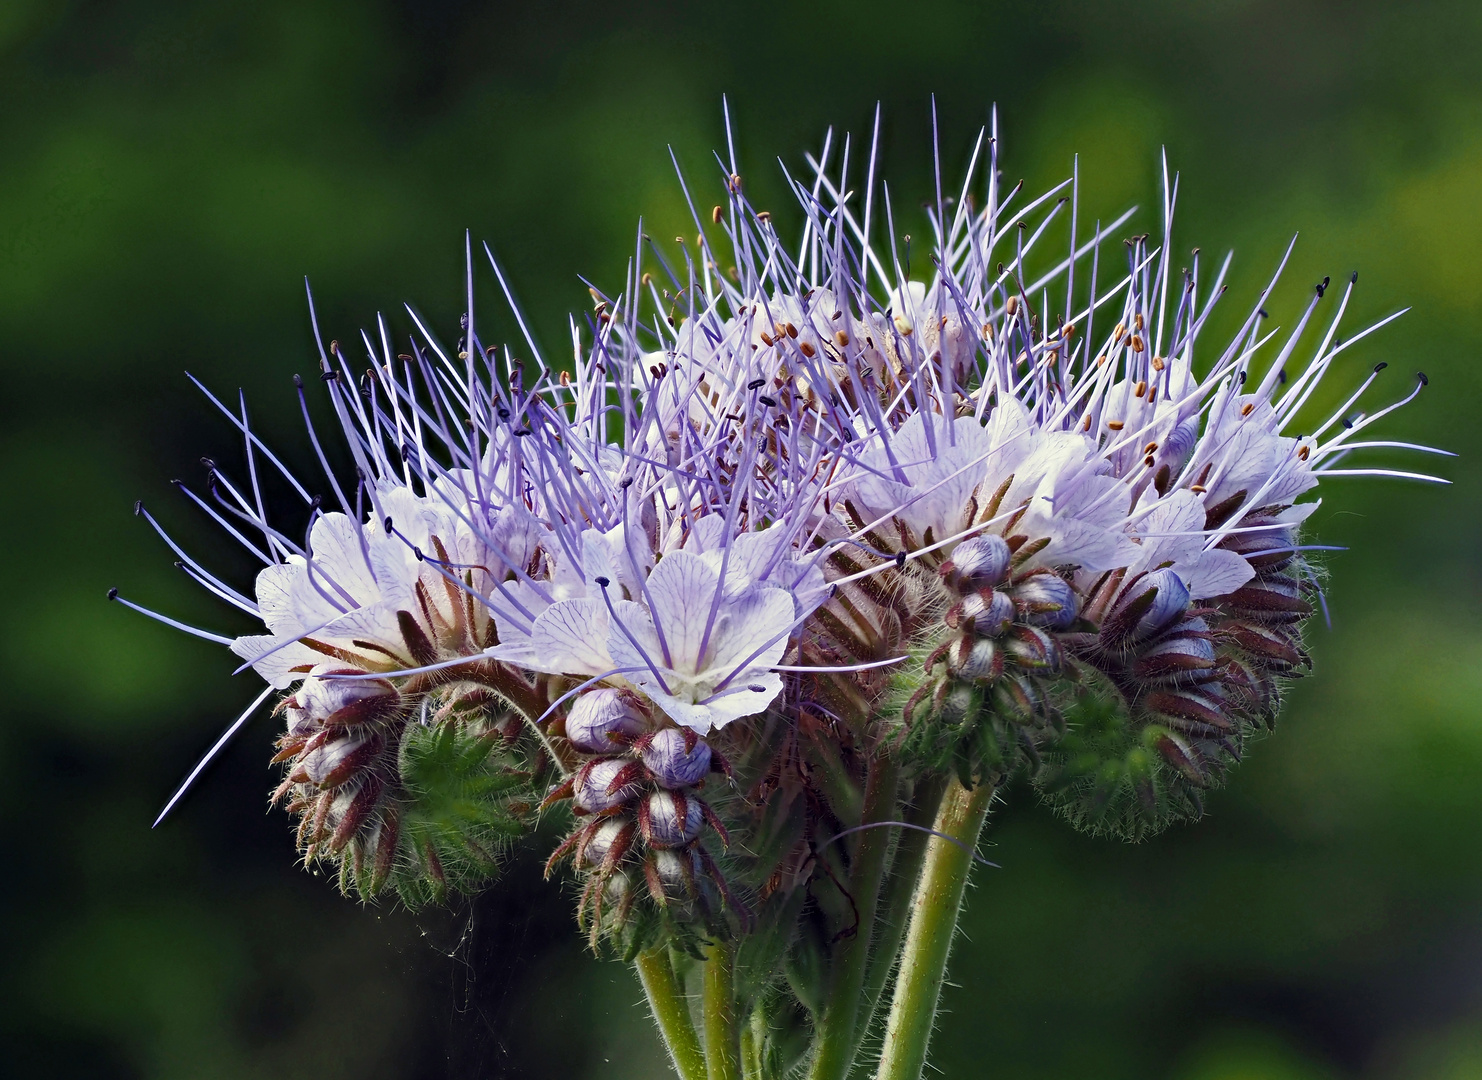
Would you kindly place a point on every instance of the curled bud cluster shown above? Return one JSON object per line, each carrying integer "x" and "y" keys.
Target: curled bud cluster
{"x": 1190, "y": 684}
{"x": 371, "y": 771}
{"x": 640, "y": 819}
{"x": 987, "y": 700}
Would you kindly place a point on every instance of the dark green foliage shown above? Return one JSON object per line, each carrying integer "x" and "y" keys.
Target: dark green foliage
{"x": 464, "y": 799}
{"x": 1107, "y": 775}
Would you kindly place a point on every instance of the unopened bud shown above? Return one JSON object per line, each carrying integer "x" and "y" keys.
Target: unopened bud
{"x": 602, "y": 784}
{"x": 1031, "y": 647}
{"x": 987, "y": 612}
{"x": 1169, "y": 600}
{"x": 677, "y": 757}
{"x": 676, "y": 869}
{"x": 339, "y": 702}
{"x": 599, "y": 714}
{"x": 670, "y": 820}
{"x": 1047, "y": 600}
{"x": 980, "y": 659}
{"x": 332, "y": 763}
{"x": 1181, "y": 653}
{"x": 976, "y": 563}
{"x": 608, "y": 835}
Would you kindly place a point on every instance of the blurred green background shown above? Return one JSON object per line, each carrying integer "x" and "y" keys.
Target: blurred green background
{"x": 169, "y": 173}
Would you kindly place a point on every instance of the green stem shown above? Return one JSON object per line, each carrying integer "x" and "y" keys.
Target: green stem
{"x": 753, "y": 1041}
{"x": 837, "y": 1025}
{"x": 934, "y": 910}
{"x": 671, "y": 1013}
{"x": 905, "y": 870}
{"x": 722, "y": 1031}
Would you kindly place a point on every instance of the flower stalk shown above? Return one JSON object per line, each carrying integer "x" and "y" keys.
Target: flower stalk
{"x": 935, "y": 908}
{"x": 722, "y": 1026}
{"x": 837, "y": 1038}
{"x": 671, "y": 1013}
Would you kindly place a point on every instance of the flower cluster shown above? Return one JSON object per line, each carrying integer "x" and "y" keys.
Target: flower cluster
{"x": 791, "y": 526}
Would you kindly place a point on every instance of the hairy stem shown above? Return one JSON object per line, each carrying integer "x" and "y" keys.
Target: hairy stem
{"x": 753, "y": 1040}
{"x": 722, "y": 1030}
{"x": 905, "y": 870}
{"x": 934, "y": 910}
{"x": 671, "y": 1013}
{"x": 836, "y": 1043}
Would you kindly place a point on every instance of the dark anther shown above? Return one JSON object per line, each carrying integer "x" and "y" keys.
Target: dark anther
{"x": 1380, "y": 366}
{"x": 765, "y": 400}
{"x": 1322, "y": 288}
{"x": 388, "y": 524}
{"x": 316, "y": 502}
{"x": 208, "y": 463}
{"x": 298, "y": 381}
{"x": 756, "y": 384}
{"x": 329, "y": 376}
{"x": 1281, "y": 376}
{"x": 1353, "y": 280}
{"x": 1264, "y": 313}
{"x": 523, "y": 431}
{"x": 138, "y": 507}
{"x": 503, "y": 413}
{"x": 1424, "y": 381}
{"x": 463, "y": 321}
{"x": 1243, "y": 376}
{"x": 900, "y": 560}
{"x": 418, "y": 552}
{"x": 405, "y": 357}
{"x": 602, "y": 582}
{"x": 113, "y": 593}
{"x": 406, "y": 452}
{"x": 625, "y": 483}
{"x": 755, "y": 688}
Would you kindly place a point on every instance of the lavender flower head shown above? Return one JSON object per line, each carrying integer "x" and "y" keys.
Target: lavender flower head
{"x": 788, "y": 513}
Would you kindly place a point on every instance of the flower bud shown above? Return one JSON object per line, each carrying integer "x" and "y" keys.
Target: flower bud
{"x": 986, "y": 612}
{"x": 333, "y": 762}
{"x": 670, "y": 820}
{"x": 1155, "y": 601}
{"x": 1047, "y": 600}
{"x": 976, "y": 563}
{"x": 676, "y": 869}
{"x": 979, "y": 659}
{"x": 335, "y": 702}
{"x": 608, "y": 835}
{"x": 677, "y": 757}
{"x": 1266, "y": 549}
{"x": 604, "y": 783}
{"x": 599, "y": 714}
{"x": 1031, "y": 647}
{"x": 1181, "y": 653}
{"x": 1275, "y": 599}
